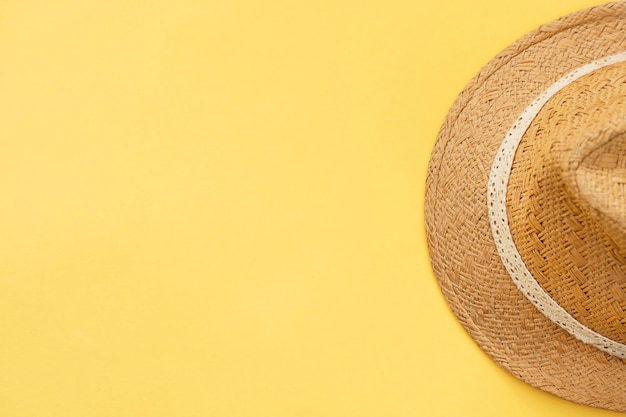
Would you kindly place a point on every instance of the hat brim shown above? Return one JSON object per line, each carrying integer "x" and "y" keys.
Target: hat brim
{"x": 463, "y": 254}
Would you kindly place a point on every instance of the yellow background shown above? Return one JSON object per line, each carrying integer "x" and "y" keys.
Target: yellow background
{"x": 214, "y": 208}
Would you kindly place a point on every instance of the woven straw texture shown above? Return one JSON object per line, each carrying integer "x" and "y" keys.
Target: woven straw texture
{"x": 567, "y": 207}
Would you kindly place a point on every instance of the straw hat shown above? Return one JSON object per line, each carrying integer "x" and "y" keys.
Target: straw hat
{"x": 526, "y": 207}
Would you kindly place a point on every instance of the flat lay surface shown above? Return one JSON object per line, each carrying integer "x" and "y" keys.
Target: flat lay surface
{"x": 215, "y": 208}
